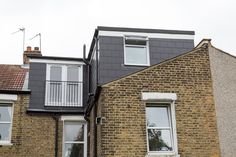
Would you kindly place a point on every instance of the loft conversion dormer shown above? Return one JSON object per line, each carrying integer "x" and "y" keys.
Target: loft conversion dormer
{"x": 116, "y": 52}
{"x": 57, "y": 84}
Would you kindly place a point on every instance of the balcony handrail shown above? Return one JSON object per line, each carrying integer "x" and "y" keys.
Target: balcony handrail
{"x": 63, "y": 93}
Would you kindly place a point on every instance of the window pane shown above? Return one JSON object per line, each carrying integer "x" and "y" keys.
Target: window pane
{"x": 136, "y": 42}
{"x": 157, "y": 117}
{"x": 74, "y": 150}
{"x": 136, "y": 55}
{"x": 159, "y": 140}
{"x": 5, "y": 114}
{"x": 56, "y": 73}
{"x": 5, "y": 132}
{"x": 74, "y": 131}
{"x": 72, "y": 73}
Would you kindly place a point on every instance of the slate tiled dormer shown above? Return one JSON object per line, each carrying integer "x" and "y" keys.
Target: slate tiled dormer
{"x": 116, "y": 52}
{"x": 57, "y": 84}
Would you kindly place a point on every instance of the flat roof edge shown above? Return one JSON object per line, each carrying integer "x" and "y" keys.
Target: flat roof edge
{"x": 143, "y": 30}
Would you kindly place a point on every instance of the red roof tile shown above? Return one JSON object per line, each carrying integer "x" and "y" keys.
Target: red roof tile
{"x": 12, "y": 77}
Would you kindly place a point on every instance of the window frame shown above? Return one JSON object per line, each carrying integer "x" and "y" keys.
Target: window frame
{"x": 64, "y": 78}
{"x": 156, "y": 99}
{"x": 80, "y": 120}
{"x": 10, "y": 104}
{"x": 141, "y": 38}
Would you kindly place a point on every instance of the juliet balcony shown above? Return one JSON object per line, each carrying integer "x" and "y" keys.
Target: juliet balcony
{"x": 64, "y": 93}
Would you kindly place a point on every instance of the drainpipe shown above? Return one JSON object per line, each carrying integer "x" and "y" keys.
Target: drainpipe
{"x": 56, "y": 118}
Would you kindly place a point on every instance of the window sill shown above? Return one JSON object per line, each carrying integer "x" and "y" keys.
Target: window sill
{"x": 5, "y": 144}
{"x": 162, "y": 155}
{"x": 137, "y": 65}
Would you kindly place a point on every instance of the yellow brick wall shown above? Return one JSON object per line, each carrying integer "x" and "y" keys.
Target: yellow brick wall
{"x": 123, "y": 133}
{"x": 32, "y": 135}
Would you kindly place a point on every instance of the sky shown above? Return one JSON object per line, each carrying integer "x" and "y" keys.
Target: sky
{"x": 65, "y": 25}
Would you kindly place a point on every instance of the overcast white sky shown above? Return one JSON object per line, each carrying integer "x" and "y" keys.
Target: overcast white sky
{"x": 66, "y": 25}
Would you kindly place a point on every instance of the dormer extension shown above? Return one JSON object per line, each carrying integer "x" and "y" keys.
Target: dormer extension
{"x": 57, "y": 84}
{"x": 116, "y": 52}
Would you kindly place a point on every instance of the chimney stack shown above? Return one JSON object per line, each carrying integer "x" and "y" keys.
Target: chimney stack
{"x": 30, "y": 52}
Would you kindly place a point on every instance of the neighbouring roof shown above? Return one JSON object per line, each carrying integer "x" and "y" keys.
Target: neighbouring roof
{"x": 12, "y": 77}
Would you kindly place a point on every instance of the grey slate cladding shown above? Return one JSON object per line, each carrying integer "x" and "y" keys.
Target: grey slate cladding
{"x": 37, "y": 77}
{"x": 111, "y": 59}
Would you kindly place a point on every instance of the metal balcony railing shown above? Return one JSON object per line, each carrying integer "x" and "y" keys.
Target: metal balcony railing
{"x": 64, "y": 93}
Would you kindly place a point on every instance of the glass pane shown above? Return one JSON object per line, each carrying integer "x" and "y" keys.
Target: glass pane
{"x": 74, "y": 131}
{"x": 157, "y": 117}
{"x": 136, "y": 42}
{"x": 5, "y": 114}
{"x": 136, "y": 55}
{"x": 72, "y": 73}
{"x": 56, "y": 73}
{"x": 74, "y": 150}
{"x": 5, "y": 132}
{"x": 159, "y": 140}
{"x": 72, "y": 95}
{"x": 55, "y": 91}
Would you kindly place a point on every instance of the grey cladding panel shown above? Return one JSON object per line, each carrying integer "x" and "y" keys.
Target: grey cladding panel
{"x": 37, "y": 77}
{"x": 111, "y": 59}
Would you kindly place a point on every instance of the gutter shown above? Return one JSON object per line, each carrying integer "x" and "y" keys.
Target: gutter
{"x": 5, "y": 91}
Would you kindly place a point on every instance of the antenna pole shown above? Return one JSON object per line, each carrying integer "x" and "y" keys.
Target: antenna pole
{"x": 39, "y": 34}
{"x": 40, "y": 42}
{"x": 23, "y": 30}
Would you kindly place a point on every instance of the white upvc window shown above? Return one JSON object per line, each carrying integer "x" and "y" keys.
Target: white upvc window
{"x": 136, "y": 51}
{"x": 161, "y": 124}
{"x": 64, "y": 85}
{"x": 74, "y": 138}
{"x": 6, "y": 117}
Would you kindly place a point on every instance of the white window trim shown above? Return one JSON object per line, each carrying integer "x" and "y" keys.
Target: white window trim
{"x": 81, "y": 120}
{"x": 8, "y": 142}
{"x": 64, "y": 78}
{"x": 147, "y": 49}
{"x": 150, "y": 35}
{"x": 163, "y": 98}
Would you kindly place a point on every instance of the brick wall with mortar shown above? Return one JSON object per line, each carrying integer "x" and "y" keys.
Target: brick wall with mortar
{"x": 32, "y": 135}
{"x": 123, "y": 132}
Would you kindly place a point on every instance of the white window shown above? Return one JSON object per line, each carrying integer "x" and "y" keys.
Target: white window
{"x": 64, "y": 85}
{"x": 136, "y": 51}
{"x": 161, "y": 123}
{"x": 6, "y": 114}
{"x": 159, "y": 128}
{"x": 74, "y": 139}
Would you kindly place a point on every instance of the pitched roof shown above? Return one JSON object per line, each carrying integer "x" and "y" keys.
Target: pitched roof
{"x": 12, "y": 77}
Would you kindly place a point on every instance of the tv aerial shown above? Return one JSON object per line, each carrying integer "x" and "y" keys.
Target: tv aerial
{"x": 37, "y": 35}
{"x": 22, "y": 29}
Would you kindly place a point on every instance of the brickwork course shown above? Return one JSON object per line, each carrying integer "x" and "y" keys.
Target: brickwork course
{"x": 123, "y": 133}
{"x": 32, "y": 135}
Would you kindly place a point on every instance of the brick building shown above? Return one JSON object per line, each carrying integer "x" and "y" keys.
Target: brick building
{"x": 140, "y": 92}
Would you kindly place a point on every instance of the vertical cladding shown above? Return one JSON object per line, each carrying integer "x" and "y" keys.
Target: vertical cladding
{"x": 124, "y": 131}
{"x": 32, "y": 135}
{"x": 111, "y": 59}
{"x": 37, "y": 78}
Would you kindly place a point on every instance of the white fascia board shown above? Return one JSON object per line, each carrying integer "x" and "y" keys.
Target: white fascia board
{"x": 34, "y": 60}
{"x": 72, "y": 118}
{"x": 152, "y": 96}
{"x": 11, "y": 97}
{"x": 149, "y": 35}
